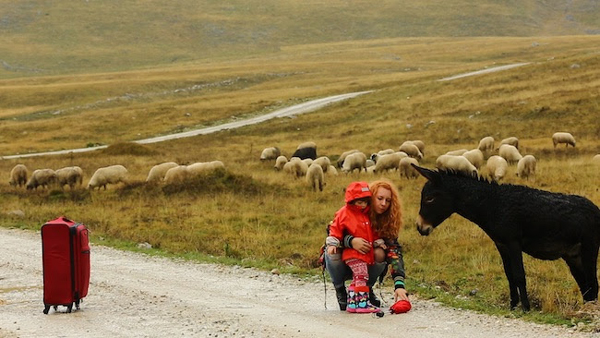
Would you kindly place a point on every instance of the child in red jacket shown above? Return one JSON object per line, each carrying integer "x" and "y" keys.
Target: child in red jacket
{"x": 353, "y": 219}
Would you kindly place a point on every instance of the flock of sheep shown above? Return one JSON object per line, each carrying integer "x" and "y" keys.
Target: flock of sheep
{"x": 168, "y": 172}
{"x": 305, "y": 163}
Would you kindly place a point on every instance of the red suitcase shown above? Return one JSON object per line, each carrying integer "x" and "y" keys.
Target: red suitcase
{"x": 65, "y": 263}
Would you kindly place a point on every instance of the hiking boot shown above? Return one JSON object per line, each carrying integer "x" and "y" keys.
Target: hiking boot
{"x": 341, "y": 295}
{"x": 373, "y": 299}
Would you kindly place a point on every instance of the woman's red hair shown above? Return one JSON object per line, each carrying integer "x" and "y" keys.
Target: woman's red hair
{"x": 388, "y": 224}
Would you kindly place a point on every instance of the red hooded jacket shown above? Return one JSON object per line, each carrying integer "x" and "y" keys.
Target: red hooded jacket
{"x": 352, "y": 220}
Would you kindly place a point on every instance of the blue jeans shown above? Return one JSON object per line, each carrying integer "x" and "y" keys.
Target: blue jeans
{"x": 340, "y": 272}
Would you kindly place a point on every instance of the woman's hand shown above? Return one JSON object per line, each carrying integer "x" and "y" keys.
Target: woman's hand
{"x": 400, "y": 294}
{"x": 331, "y": 249}
{"x": 361, "y": 245}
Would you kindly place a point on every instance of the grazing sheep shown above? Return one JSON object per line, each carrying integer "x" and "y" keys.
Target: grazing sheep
{"x": 457, "y": 152}
{"x": 280, "y": 162}
{"x": 565, "y": 138}
{"x": 296, "y": 167}
{"x": 203, "y": 167}
{"x": 510, "y": 153}
{"x": 176, "y": 174}
{"x": 411, "y": 150}
{"x": 324, "y": 162}
{"x": 41, "y": 177}
{"x": 455, "y": 163}
{"x": 315, "y": 177}
{"x": 389, "y": 162}
{"x": 270, "y": 153}
{"x": 513, "y": 141}
{"x": 157, "y": 172}
{"x": 332, "y": 171}
{"x": 496, "y": 167}
{"x": 306, "y": 150}
{"x": 475, "y": 156}
{"x": 486, "y": 145}
{"x": 342, "y": 157}
{"x": 308, "y": 161}
{"x": 407, "y": 170}
{"x": 526, "y": 167}
{"x": 18, "y": 175}
{"x": 355, "y": 161}
{"x": 376, "y": 155}
{"x": 70, "y": 176}
{"x": 108, "y": 175}
{"x": 596, "y": 159}
{"x": 420, "y": 144}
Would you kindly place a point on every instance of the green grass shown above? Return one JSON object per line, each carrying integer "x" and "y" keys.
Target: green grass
{"x": 104, "y": 82}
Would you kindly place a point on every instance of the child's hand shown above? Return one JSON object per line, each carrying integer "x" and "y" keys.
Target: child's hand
{"x": 331, "y": 249}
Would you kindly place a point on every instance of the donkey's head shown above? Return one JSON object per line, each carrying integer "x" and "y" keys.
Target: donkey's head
{"x": 436, "y": 202}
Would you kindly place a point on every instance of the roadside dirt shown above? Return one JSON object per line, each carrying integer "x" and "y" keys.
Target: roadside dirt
{"x": 135, "y": 295}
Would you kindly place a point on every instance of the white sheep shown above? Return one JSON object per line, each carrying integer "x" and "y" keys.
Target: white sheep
{"x": 389, "y": 162}
{"x": 308, "y": 161}
{"x": 296, "y": 167}
{"x": 513, "y": 141}
{"x": 421, "y": 145}
{"x": 496, "y": 167}
{"x": 157, "y": 172}
{"x": 176, "y": 174}
{"x": 455, "y": 163}
{"x": 509, "y": 153}
{"x": 18, "y": 175}
{"x": 280, "y": 162}
{"x": 332, "y": 170}
{"x": 70, "y": 176}
{"x": 596, "y": 159}
{"x": 355, "y": 161}
{"x": 315, "y": 177}
{"x": 342, "y": 157}
{"x": 108, "y": 175}
{"x": 411, "y": 150}
{"x": 457, "y": 152}
{"x": 407, "y": 170}
{"x": 270, "y": 153}
{"x": 526, "y": 167}
{"x": 376, "y": 155}
{"x": 475, "y": 156}
{"x": 197, "y": 168}
{"x": 562, "y": 137}
{"x": 486, "y": 145}
{"x": 41, "y": 177}
{"x": 324, "y": 162}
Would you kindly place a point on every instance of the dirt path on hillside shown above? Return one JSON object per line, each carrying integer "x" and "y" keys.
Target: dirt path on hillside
{"x": 134, "y": 295}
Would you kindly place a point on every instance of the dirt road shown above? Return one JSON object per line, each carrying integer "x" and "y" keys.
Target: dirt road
{"x": 134, "y": 295}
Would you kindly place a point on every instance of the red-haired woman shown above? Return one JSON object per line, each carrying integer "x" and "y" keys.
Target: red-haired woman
{"x": 386, "y": 220}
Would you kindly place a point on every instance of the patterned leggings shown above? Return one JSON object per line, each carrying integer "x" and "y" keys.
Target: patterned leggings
{"x": 360, "y": 273}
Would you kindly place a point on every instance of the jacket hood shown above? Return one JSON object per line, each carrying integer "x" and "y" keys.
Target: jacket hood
{"x": 357, "y": 190}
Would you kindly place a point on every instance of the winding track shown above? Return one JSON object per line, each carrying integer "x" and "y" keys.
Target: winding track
{"x": 285, "y": 112}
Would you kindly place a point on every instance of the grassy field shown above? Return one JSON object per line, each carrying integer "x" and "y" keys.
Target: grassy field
{"x": 251, "y": 215}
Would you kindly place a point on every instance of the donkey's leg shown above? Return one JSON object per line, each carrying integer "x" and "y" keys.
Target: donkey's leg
{"x": 512, "y": 259}
{"x": 589, "y": 257}
{"x": 576, "y": 266}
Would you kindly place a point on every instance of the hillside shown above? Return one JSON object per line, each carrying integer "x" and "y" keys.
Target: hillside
{"x": 57, "y": 37}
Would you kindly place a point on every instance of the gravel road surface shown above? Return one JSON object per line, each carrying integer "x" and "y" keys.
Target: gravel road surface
{"x": 135, "y": 295}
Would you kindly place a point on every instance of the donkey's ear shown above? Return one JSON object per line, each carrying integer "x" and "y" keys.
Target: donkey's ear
{"x": 429, "y": 174}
